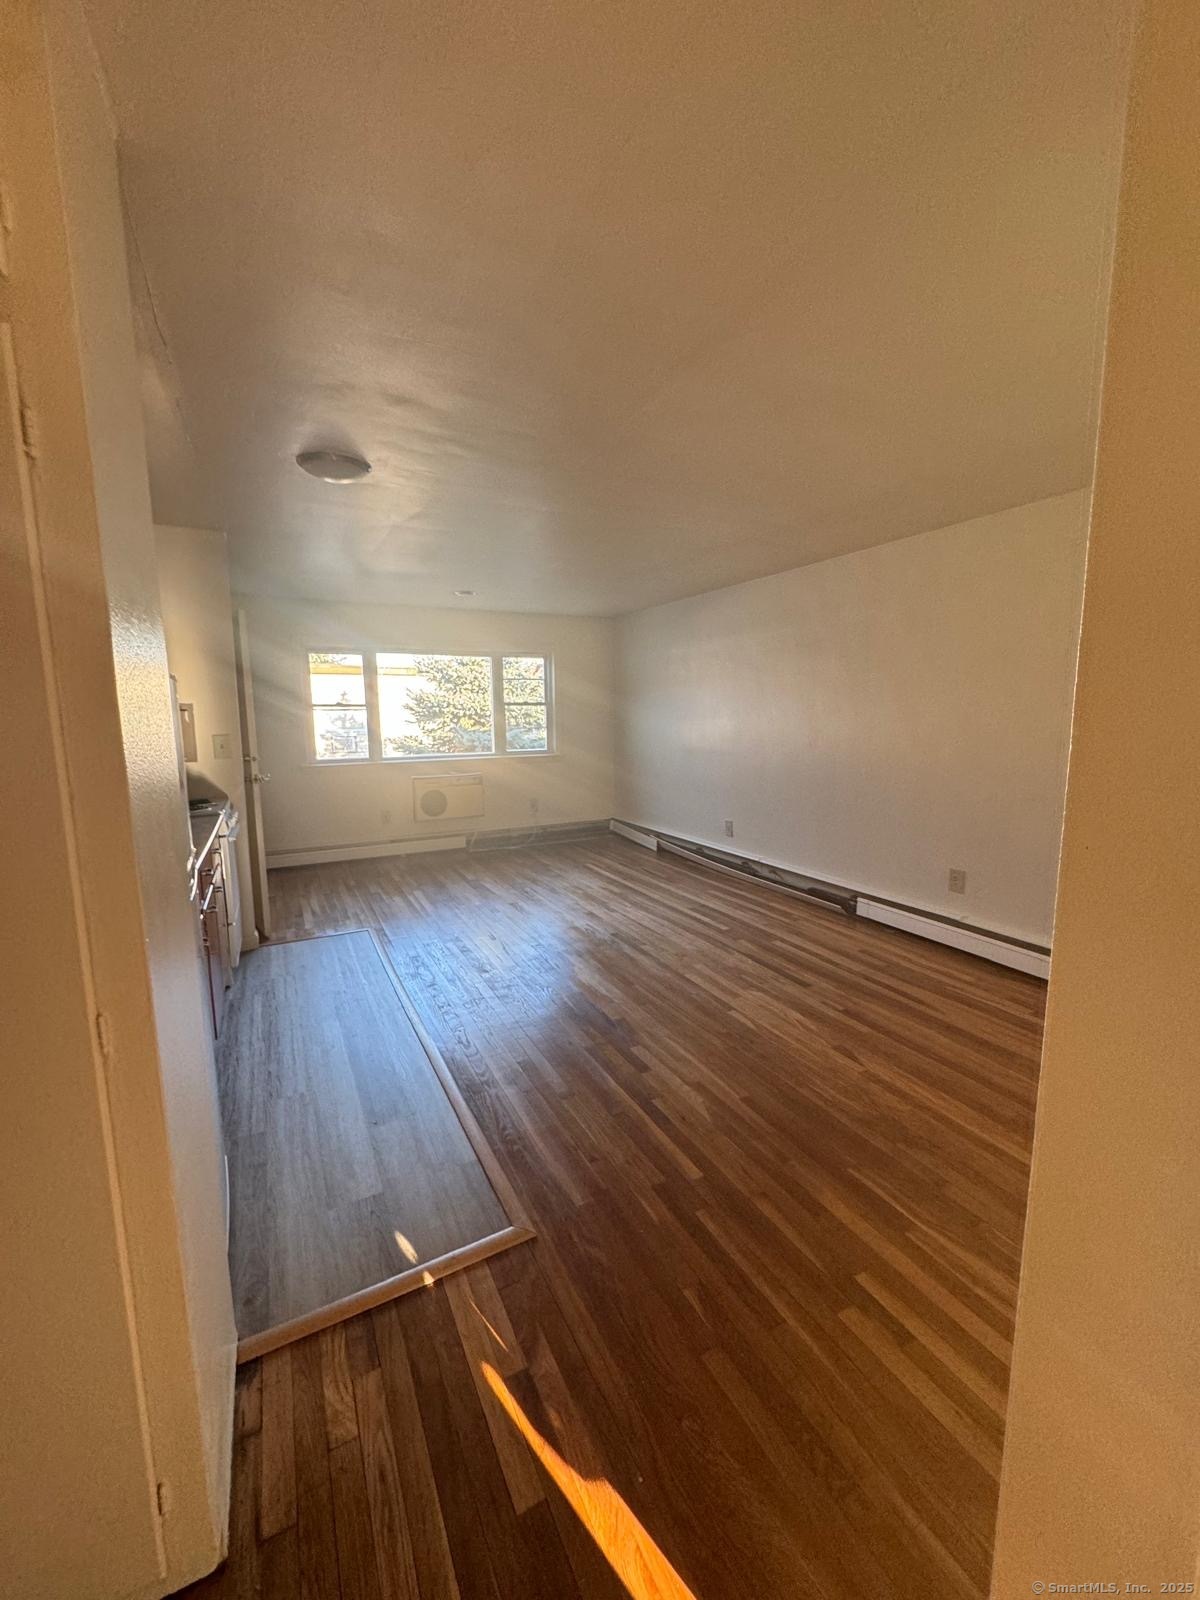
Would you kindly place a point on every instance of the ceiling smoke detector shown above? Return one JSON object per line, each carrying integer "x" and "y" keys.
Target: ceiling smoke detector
{"x": 333, "y": 466}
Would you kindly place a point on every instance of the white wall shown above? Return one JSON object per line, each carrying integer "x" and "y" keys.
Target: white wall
{"x": 1101, "y": 1472}
{"x": 120, "y": 1365}
{"x": 874, "y": 719}
{"x": 179, "y": 1064}
{"x": 308, "y": 806}
{"x": 197, "y": 615}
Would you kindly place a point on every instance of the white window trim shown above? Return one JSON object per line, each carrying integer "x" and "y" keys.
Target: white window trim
{"x": 374, "y": 730}
{"x": 310, "y": 739}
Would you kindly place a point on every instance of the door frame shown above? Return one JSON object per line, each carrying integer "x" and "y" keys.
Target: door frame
{"x": 254, "y": 777}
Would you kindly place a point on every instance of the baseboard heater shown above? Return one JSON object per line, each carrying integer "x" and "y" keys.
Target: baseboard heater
{"x": 489, "y": 839}
{"x": 1034, "y": 959}
{"x": 365, "y": 852}
{"x": 545, "y": 833}
{"x": 798, "y": 883}
{"x": 1007, "y": 952}
{"x": 648, "y": 841}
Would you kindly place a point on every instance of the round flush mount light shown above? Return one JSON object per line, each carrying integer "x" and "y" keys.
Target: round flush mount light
{"x": 333, "y": 466}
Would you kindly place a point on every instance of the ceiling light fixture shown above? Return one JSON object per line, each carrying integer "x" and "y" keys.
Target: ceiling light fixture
{"x": 463, "y": 594}
{"x": 333, "y": 466}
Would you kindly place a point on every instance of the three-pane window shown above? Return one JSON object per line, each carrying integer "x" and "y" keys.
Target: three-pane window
{"x": 398, "y": 705}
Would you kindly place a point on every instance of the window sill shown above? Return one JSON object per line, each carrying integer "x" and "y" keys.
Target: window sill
{"x": 423, "y": 761}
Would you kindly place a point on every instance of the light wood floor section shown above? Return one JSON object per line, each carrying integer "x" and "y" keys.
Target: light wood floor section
{"x": 777, "y": 1162}
{"x": 348, "y": 1165}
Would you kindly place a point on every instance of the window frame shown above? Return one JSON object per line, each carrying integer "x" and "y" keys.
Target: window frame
{"x": 500, "y": 705}
{"x": 368, "y": 660}
{"x": 376, "y": 757}
{"x": 449, "y": 755}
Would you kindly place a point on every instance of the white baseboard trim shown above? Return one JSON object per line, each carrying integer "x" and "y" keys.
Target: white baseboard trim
{"x": 636, "y": 834}
{"x": 1035, "y": 962}
{"x": 364, "y": 852}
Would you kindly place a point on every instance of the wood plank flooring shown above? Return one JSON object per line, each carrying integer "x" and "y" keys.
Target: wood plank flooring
{"x": 777, "y": 1162}
{"x": 347, "y": 1163}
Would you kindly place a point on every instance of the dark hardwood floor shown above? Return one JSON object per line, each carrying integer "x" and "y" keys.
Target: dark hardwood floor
{"x": 777, "y": 1162}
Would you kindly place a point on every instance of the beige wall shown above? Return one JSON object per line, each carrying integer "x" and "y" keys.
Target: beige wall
{"x": 1102, "y": 1459}
{"x": 118, "y": 1371}
{"x": 874, "y": 719}
{"x": 306, "y": 806}
{"x": 181, "y": 1074}
{"x": 197, "y": 615}
{"x": 71, "y": 1392}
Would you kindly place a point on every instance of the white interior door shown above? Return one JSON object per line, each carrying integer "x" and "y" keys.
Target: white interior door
{"x": 255, "y": 778}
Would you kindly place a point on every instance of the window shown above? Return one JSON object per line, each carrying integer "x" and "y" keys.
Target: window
{"x": 523, "y": 688}
{"x": 406, "y": 705}
{"x": 435, "y": 705}
{"x": 337, "y": 693}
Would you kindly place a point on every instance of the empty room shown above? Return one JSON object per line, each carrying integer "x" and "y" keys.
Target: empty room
{"x": 602, "y": 611}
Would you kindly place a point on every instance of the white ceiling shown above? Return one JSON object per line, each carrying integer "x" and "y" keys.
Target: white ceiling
{"x": 624, "y": 301}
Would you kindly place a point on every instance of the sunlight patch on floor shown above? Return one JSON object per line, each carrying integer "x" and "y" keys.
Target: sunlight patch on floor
{"x": 623, "y": 1541}
{"x": 407, "y": 1249}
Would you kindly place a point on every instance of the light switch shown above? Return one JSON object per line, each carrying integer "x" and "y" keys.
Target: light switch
{"x": 222, "y": 746}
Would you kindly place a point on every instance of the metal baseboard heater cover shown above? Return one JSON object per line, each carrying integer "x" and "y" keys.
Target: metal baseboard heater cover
{"x": 1030, "y": 958}
{"x": 1008, "y": 952}
{"x": 828, "y": 894}
{"x": 427, "y": 844}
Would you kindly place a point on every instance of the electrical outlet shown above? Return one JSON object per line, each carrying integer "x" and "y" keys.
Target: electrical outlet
{"x": 533, "y": 807}
{"x": 958, "y": 880}
{"x": 729, "y": 827}
{"x": 385, "y": 817}
{"x": 222, "y": 746}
